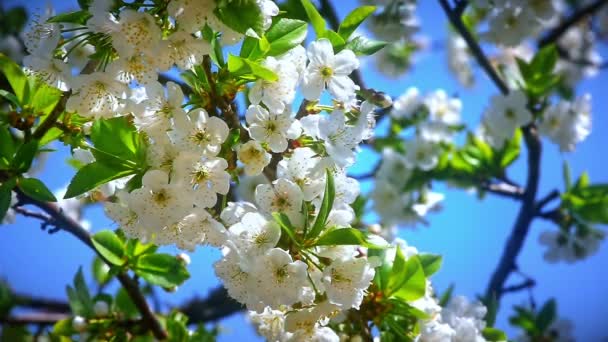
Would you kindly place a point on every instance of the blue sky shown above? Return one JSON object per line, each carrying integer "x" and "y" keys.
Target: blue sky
{"x": 469, "y": 233}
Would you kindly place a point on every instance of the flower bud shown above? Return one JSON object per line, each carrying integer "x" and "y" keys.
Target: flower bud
{"x": 101, "y": 308}
{"x": 185, "y": 258}
{"x": 79, "y": 323}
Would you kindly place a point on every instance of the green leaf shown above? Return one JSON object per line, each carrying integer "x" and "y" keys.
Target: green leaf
{"x": 285, "y": 34}
{"x": 45, "y": 99}
{"x": 345, "y": 236}
{"x": 101, "y": 271}
{"x": 446, "y": 296}
{"x": 64, "y": 327}
{"x": 241, "y": 15}
{"x": 93, "y": 175}
{"x": 286, "y": 226}
{"x": 354, "y": 19}
{"x": 337, "y": 42}
{"x": 125, "y": 305}
{"x": 79, "y": 297}
{"x": 118, "y": 137}
{"x": 36, "y": 190}
{"x": 77, "y": 17}
{"x": 493, "y": 334}
{"x": 326, "y": 205}
{"x": 245, "y": 68}
{"x": 16, "y": 78}
{"x": 110, "y": 247}
{"x": 24, "y": 156}
{"x": 7, "y": 147}
{"x": 5, "y": 200}
{"x": 546, "y": 315}
{"x": 317, "y": 21}
{"x": 362, "y": 46}
{"x": 10, "y": 97}
{"x": 161, "y": 269}
{"x": 431, "y": 263}
{"x": 407, "y": 279}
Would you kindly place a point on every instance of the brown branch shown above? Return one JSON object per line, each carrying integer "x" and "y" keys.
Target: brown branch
{"x": 66, "y": 223}
{"x": 577, "y": 16}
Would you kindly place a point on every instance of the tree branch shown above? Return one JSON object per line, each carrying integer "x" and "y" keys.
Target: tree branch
{"x": 217, "y": 305}
{"x": 45, "y": 304}
{"x": 456, "y": 21}
{"x": 62, "y": 221}
{"x": 577, "y": 16}
{"x": 527, "y": 210}
{"x": 46, "y": 318}
{"x": 526, "y": 284}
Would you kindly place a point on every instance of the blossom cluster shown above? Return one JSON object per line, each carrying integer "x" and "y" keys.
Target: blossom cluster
{"x": 433, "y": 119}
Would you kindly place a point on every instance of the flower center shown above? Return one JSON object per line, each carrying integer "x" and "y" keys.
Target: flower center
{"x": 326, "y": 72}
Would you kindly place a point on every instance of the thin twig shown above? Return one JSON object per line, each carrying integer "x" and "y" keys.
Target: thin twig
{"x": 526, "y": 284}
{"x": 71, "y": 226}
{"x": 456, "y": 21}
{"x": 577, "y": 16}
{"x": 553, "y": 195}
{"x": 45, "y": 304}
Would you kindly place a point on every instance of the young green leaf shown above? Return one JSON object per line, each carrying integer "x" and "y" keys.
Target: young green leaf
{"x": 76, "y": 17}
{"x": 101, "y": 271}
{"x": 285, "y": 34}
{"x": 326, "y": 205}
{"x": 446, "y": 296}
{"x": 286, "y": 226}
{"x": 248, "y": 69}
{"x": 546, "y": 315}
{"x": 79, "y": 297}
{"x": 24, "y": 156}
{"x": 45, "y": 99}
{"x": 337, "y": 42}
{"x": 161, "y": 269}
{"x": 317, "y": 21}
{"x": 345, "y": 236}
{"x": 241, "y": 15}
{"x": 5, "y": 200}
{"x": 110, "y": 247}
{"x": 16, "y": 78}
{"x": 93, "y": 175}
{"x": 118, "y": 137}
{"x": 36, "y": 189}
{"x": 354, "y": 19}
{"x": 410, "y": 282}
{"x": 124, "y": 304}
{"x": 431, "y": 263}
{"x": 362, "y": 46}
{"x": 493, "y": 334}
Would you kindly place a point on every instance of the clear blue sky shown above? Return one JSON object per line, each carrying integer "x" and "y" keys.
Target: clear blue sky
{"x": 469, "y": 233}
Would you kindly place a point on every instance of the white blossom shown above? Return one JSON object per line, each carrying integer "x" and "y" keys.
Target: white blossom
{"x": 328, "y": 71}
